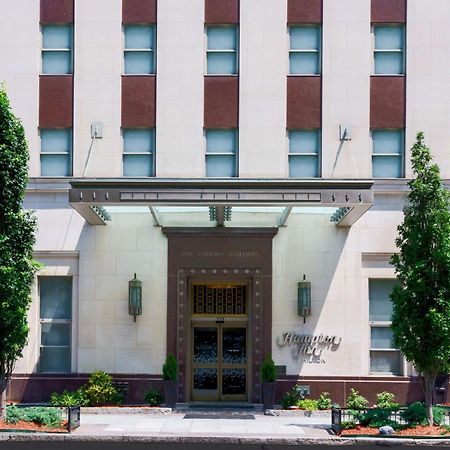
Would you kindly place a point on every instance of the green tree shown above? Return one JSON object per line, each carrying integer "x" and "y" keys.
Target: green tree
{"x": 421, "y": 301}
{"x": 17, "y": 237}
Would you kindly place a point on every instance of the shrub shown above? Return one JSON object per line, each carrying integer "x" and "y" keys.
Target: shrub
{"x": 291, "y": 397}
{"x": 100, "y": 390}
{"x": 376, "y": 418}
{"x": 170, "y": 368}
{"x": 308, "y": 404}
{"x": 43, "y": 416}
{"x": 356, "y": 401}
{"x": 324, "y": 401}
{"x": 268, "y": 369}
{"x": 67, "y": 398}
{"x": 386, "y": 400}
{"x": 349, "y": 425}
{"x": 416, "y": 414}
{"x": 153, "y": 397}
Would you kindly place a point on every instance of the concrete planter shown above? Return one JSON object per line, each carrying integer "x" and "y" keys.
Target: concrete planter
{"x": 268, "y": 388}
{"x": 125, "y": 410}
{"x": 170, "y": 393}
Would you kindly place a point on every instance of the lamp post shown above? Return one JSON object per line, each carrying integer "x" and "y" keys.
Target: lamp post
{"x": 304, "y": 298}
{"x": 135, "y": 297}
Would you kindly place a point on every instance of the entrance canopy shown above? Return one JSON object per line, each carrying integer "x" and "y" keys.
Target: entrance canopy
{"x": 220, "y": 202}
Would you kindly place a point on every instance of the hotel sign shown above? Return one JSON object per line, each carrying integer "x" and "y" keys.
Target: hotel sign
{"x": 308, "y": 347}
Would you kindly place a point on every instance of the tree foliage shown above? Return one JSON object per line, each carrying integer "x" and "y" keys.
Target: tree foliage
{"x": 421, "y": 301}
{"x": 17, "y": 229}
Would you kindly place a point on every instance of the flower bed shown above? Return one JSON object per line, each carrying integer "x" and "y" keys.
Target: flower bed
{"x": 418, "y": 431}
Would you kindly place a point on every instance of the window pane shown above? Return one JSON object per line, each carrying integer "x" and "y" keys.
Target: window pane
{"x": 222, "y": 63}
{"x": 139, "y": 62}
{"x": 54, "y": 36}
{"x": 221, "y": 141}
{"x": 222, "y": 38}
{"x": 390, "y": 38}
{"x": 380, "y": 304}
{"x": 304, "y": 141}
{"x": 57, "y": 62}
{"x": 139, "y": 37}
{"x": 385, "y": 362}
{"x": 387, "y": 166}
{"x": 55, "y": 334}
{"x": 303, "y": 166}
{"x": 54, "y": 359}
{"x": 389, "y": 63}
{"x": 305, "y": 38}
{"x": 55, "y": 166}
{"x": 304, "y": 63}
{"x": 137, "y": 165}
{"x": 56, "y": 141}
{"x": 138, "y": 141}
{"x": 388, "y": 142}
{"x": 55, "y": 297}
{"x": 220, "y": 166}
{"x": 381, "y": 338}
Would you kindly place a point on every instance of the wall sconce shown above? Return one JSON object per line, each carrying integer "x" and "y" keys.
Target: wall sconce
{"x": 135, "y": 297}
{"x": 304, "y": 298}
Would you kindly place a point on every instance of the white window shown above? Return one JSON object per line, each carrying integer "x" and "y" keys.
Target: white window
{"x": 388, "y": 153}
{"x": 389, "y": 58}
{"x": 221, "y": 153}
{"x": 56, "y": 152}
{"x": 139, "y": 51}
{"x": 57, "y": 49}
{"x": 304, "y": 50}
{"x": 304, "y": 153}
{"x": 221, "y": 53}
{"x": 55, "y": 297}
{"x": 139, "y": 153}
{"x": 384, "y": 357}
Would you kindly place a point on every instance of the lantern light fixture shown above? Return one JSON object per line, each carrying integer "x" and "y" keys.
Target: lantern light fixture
{"x": 304, "y": 298}
{"x": 135, "y": 297}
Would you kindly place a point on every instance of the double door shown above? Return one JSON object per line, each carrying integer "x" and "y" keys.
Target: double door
{"x": 219, "y": 362}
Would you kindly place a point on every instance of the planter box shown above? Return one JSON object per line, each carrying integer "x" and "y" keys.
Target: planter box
{"x": 125, "y": 410}
{"x": 297, "y": 412}
{"x": 70, "y": 414}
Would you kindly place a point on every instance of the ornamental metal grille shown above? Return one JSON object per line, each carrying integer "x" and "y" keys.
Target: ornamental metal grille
{"x": 219, "y": 300}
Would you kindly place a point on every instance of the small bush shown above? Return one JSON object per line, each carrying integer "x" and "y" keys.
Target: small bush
{"x": 324, "y": 401}
{"x": 100, "y": 390}
{"x": 348, "y": 425}
{"x": 308, "y": 404}
{"x": 170, "y": 368}
{"x": 386, "y": 400}
{"x": 67, "y": 398}
{"x": 268, "y": 370}
{"x": 356, "y": 401}
{"x": 415, "y": 414}
{"x": 153, "y": 397}
{"x": 291, "y": 397}
{"x": 376, "y": 418}
{"x": 43, "y": 416}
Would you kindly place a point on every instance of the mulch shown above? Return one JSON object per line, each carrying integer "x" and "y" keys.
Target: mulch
{"x": 418, "y": 431}
{"x": 31, "y": 426}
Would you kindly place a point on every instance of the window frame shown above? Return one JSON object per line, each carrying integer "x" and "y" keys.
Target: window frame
{"x": 318, "y": 155}
{"x": 235, "y": 154}
{"x": 319, "y": 50}
{"x": 57, "y": 50}
{"x": 382, "y": 324}
{"x": 391, "y": 155}
{"x": 375, "y": 50}
{"x": 151, "y": 153}
{"x": 43, "y": 321}
{"x": 235, "y": 51}
{"x": 70, "y": 153}
{"x": 140, "y": 50}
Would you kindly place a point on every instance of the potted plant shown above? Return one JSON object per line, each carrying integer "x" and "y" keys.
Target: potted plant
{"x": 268, "y": 377}
{"x": 170, "y": 376}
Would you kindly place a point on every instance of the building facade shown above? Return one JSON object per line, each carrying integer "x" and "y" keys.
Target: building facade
{"x": 221, "y": 150}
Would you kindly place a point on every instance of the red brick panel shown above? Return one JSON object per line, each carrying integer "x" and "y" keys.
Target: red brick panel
{"x": 57, "y": 11}
{"x": 55, "y": 101}
{"x": 387, "y": 102}
{"x": 138, "y": 11}
{"x": 304, "y": 102}
{"x": 138, "y": 101}
{"x": 221, "y": 11}
{"x": 388, "y": 11}
{"x": 221, "y": 102}
{"x": 304, "y": 11}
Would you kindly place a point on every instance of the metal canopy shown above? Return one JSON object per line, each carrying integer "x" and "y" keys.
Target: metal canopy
{"x": 355, "y": 197}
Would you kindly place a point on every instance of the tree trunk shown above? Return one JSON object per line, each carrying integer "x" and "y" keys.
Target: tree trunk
{"x": 3, "y": 384}
{"x": 428, "y": 385}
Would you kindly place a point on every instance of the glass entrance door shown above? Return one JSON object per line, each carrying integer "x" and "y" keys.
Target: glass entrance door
{"x": 219, "y": 362}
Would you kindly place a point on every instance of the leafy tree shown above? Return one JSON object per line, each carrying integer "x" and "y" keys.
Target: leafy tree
{"x": 421, "y": 301}
{"x": 17, "y": 228}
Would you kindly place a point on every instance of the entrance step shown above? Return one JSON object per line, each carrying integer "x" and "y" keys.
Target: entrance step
{"x": 220, "y": 407}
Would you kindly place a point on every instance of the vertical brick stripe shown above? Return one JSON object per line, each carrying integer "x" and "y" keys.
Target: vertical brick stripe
{"x": 138, "y": 11}
{"x": 304, "y": 102}
{"x": 57, "y": 11}
{"x": 221, "y": 11}
{"x": 138, "y": 101}
{"x": 55, "y": 101}
{"x": 387, "y": 102}
{"x": 221, "y": 102}
{"x": 305, "y": 11}
{"x": 388, "y": 11}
